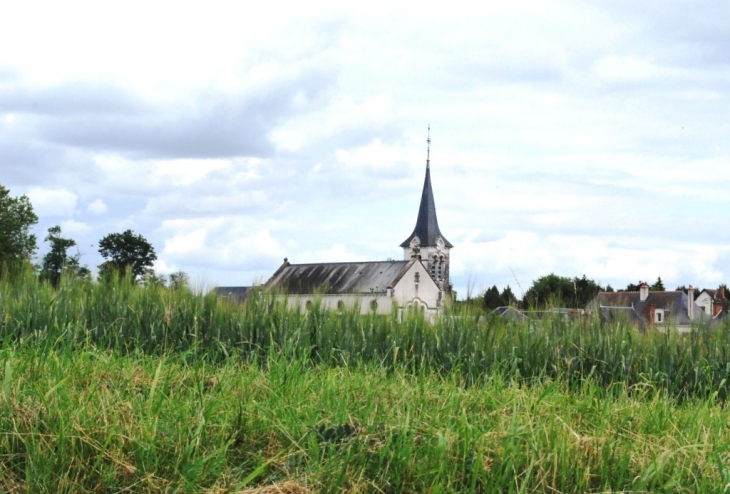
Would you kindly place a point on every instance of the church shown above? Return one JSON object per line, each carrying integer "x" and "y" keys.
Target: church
{"x": 420, "y": 281}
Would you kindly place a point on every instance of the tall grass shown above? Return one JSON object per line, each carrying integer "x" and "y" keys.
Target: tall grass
{"x": 118, "y": 315}
{"x": 113, "y": 387}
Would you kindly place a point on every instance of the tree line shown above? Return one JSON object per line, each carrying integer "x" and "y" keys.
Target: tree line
{"x": 563, "y": 291}
{"x": 123, "y": 253}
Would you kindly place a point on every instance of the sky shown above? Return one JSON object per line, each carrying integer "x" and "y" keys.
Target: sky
{"x": 568, "y": 137}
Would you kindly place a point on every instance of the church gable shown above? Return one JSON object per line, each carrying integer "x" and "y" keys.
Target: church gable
{"x": 416, "y": 285}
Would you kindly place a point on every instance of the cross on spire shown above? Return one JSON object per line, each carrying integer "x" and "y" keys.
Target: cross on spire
{"x": 428, "y": 148}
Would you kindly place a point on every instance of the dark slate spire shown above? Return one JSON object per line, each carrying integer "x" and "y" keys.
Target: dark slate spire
{"x": 427, "y": 226}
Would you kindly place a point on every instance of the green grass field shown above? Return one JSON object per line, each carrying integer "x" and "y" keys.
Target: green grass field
{"x": 110, "y": 387}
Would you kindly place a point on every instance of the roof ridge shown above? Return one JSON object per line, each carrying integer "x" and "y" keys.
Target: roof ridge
{"x": 344, "y": 262}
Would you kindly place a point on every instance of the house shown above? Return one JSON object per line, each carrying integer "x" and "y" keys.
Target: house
{"x": 233, "y": 293}
{"x": 648, "y": 308}
{"x": 712, "y": 302}
{"x": 420, "y": 281}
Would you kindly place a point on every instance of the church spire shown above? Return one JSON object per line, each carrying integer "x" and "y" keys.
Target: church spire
{"x": 427, "y": 226}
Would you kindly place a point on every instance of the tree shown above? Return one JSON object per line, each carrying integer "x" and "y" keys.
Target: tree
{"x": 631, "y": 288}
{"x": 609, "y": 288}
{"x": 507, "y": 298}
{"x": 124, "y": 251}
{"x": 491, "y": 298}
{"x": 658, "y": 286}
{"x": 150, "y": 278}
{"x": 16, "y": 219}
{"x": 574, "y": 292}
{"x": 179, "y": 279}
{"x": 57, "y": 259}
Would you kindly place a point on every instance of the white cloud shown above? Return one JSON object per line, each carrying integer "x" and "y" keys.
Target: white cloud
{"x": 72, "y": 227}
{"x": 564, "y": 133}
{"x": 184, "y": 243}
{"x": 52, "y": 202}
{"x": 338, "y": 253}
{"x": 97, "y": 207}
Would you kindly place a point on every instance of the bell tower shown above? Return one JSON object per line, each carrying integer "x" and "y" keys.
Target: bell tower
{"x": 426, "y": 242}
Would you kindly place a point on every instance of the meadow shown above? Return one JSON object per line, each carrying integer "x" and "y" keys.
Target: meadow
{"x": 111, "y": 387}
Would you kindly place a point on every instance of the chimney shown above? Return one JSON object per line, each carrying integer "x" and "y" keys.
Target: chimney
{"x": 691, "y": 302}
{"x": 651, "y": 314}
{"x": 643, "y": 292}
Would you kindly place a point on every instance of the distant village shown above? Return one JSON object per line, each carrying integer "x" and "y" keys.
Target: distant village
{"x": 421, "y": 282}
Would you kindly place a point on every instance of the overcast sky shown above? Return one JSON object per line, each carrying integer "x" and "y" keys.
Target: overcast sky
{"x": 567, "y": 137}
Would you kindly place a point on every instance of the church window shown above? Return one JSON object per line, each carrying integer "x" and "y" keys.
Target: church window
{"x": 374, "y": 305}
{"x": 340, "y": 304}
{"x": 308, "y": 305}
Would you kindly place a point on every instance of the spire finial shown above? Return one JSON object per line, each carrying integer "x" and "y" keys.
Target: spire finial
{"x": 428, "y": 148}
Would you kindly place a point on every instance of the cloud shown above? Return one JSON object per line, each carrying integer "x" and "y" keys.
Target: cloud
{"x": 72, "y": 227}
{"x": 97, "y": 207}
{"x": 52, "y": 202}
{"x": 567, "y": 137}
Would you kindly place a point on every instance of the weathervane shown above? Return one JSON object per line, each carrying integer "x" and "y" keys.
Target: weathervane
{"x": 428, "y": 148}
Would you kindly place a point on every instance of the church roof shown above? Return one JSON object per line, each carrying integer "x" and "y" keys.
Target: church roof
{"x": 427, "y": 225}
{"x": 338, "y": 277}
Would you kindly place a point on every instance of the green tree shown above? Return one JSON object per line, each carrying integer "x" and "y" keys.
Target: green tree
{"x": 631, "y": 287}
{"x": 549, "y": 289}
{"x": 178, "y": 280}
{"x": 507, "y": 298}
{"x": 16, "y": 220}
{"x": 57, "y": 260}
{"x": 571, "y": 292}
{"x": 491, "y": 298}
{"x": 658, "y": 285}
{"x": 124, "y": 251}
{"x": 150, "y": 278}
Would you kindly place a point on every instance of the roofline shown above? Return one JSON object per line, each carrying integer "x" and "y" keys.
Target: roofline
{"x": 346, "y": 262}
{"x": 405, "y": 268}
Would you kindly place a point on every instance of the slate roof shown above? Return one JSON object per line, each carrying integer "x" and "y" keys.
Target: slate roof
{"x": 509, "y": 313}
{"x": 609, "y": 303}
{"x": 427, "y": 226}
{"x": 237, "y": 292}
{"x": 338, "y": 277}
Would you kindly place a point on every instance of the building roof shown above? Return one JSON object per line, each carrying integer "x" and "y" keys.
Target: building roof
{"x": 674, "y": 302}
{"x": 338, "y": 277}
{"x": 427, "y": 226}
{"x": 238, "y": 292}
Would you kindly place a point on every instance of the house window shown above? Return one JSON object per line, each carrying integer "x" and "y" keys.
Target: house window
{"x": 659, "y": 316}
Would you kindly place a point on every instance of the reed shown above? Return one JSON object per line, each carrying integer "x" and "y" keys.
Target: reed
{"x": 115, "y": 387}
{"x": 118, "y": 315}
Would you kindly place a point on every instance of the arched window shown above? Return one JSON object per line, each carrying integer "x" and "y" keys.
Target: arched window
{"x": 308, "y": 305}
{"x": 374, "y": 305}
{"x": 340, "y": 304}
